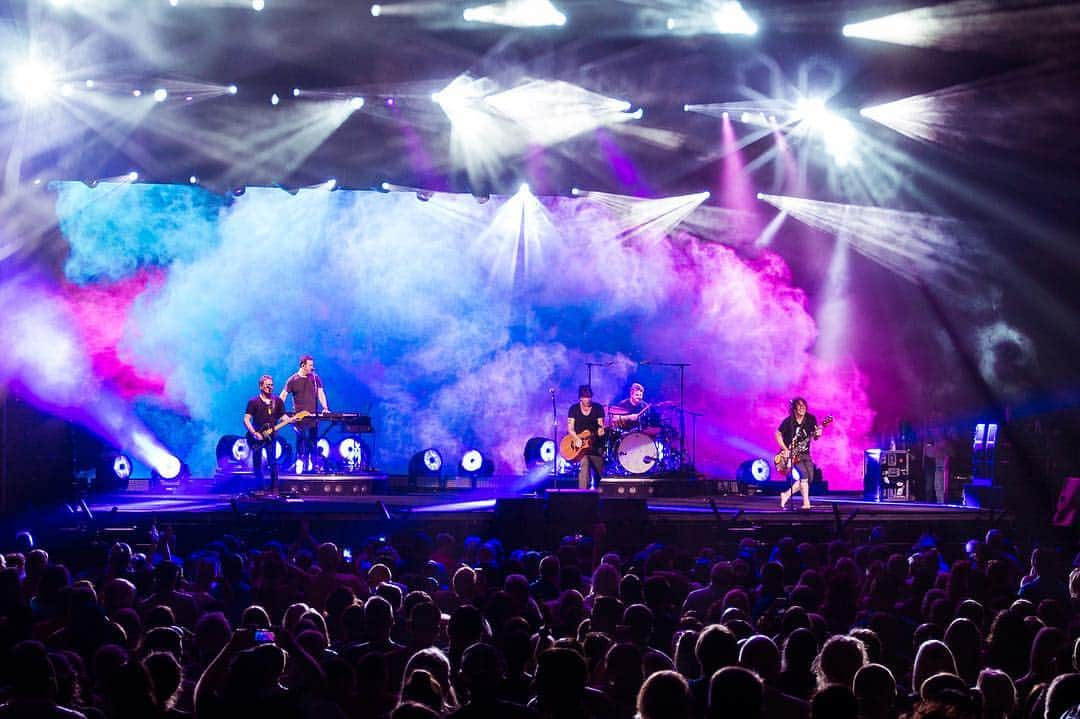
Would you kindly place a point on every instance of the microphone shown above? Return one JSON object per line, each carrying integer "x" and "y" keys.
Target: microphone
{"x": 551, "y": 390}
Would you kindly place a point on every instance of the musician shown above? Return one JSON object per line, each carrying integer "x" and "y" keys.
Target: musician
{"x": 264, "y": 410}
{"x": 629, "y": 412}
{"x": 584, "y": 415}
{"x": 795, "y": 433}
{"x": 306, "y": 389}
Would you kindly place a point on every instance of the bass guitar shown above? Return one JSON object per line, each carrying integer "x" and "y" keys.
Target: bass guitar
{"x": 268, "y": 431}
{"x": 784, "y": 464}
{"x": 572, "y": 452}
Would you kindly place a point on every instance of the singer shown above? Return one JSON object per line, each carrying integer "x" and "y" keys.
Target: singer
{"x": 306, "y": 387}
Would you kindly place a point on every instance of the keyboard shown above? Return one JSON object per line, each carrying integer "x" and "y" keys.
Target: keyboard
{"x": 353, "y": 421}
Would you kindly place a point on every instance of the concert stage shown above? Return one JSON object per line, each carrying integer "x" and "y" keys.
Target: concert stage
{"x": 537, "y": 519}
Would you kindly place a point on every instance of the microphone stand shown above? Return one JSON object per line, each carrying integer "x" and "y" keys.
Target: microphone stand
{"x": 693, "y": 437}
{"x": 555, "y": 439}
{"x": 588, "y": 370}
{"x": 682, "y": 406}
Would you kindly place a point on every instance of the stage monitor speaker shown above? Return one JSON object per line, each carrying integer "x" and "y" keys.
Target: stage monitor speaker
{"x": 572, "y": 512}
{"x": 518, "y": 521}
{"x": 1068, "y": 505}
{"x": 872, "y": 475}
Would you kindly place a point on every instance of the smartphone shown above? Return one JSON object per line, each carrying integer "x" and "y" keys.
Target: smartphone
{"x": 263, "y": 636}
{"x": 346, "y": 554}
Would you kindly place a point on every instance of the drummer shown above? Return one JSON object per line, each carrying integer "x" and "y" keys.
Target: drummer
{"x": 632, "y": 412}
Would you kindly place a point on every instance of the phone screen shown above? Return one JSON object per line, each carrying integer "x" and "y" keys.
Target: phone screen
{"x": 346, "y": 554}
{"x": 263, "y": 636}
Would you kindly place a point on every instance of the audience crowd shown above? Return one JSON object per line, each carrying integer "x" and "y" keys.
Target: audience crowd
{"x": 471, "y": 629}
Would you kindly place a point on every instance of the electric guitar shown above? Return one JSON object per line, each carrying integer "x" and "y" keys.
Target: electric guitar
{"x": 571, "y": 453}
{"x": 268, "y": 431}
{"x": 784, "y": 464}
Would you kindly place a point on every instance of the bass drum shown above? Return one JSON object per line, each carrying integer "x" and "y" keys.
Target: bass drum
{"x": 638, "y": 453}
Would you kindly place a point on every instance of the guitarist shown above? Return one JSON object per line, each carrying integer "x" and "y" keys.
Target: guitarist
{"x": 794, "y": 436}
{"x": 264, "y": 411}
{"x": 586, "y": 416}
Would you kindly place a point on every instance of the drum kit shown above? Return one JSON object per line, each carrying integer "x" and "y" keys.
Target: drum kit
{"x": 641, "y": 441}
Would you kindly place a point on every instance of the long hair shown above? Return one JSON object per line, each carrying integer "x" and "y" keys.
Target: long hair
{"x": 795, "y": 403}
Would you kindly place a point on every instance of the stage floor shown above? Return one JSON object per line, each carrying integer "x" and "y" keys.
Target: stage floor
{"x": 482, "y": 512}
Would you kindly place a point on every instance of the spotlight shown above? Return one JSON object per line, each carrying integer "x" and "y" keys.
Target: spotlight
{"x": 731, "y": 19}
{"x": 193, "y": 180}
{"x": 524, "y": 189}
{"x": 258, "y": 5}
{"x": 352, "y": 451}
{"x": 170, "y": 474}
{"x": 754, "y": 470}
{"x": 233, "y": 89}
{"x": 376, "y": 10}
{"x": 132, "y": 176}
{"x": 389, "y": 102}
{"x": 113, "y": 472}
{"x": 539, "y": 451}
{"x": 474, "y": 464}
{"x": 136, "y": 93}
{"x": 357, "y": 102}
{"x": 32, "y": 81}
{"x": 425, "y": 469}
{"x": 330, "y": 184}
{"x": 274, "y": 99}
{"x": 89, "y": 84}
{"x": 233, "y": 452}
{"x": 296, "y": 92}
{"x": 160, "y": 94}
{"x": 575, "y": 191}
{"x": 384, "y": 186}
{"x": 174, "y": 3}
{"x": 238, "y": 191}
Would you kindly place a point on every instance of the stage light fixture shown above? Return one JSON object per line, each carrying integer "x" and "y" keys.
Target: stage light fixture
{"x": 89, "y": 84}
{"x": 296, "y": 92}
{"x": 425, "y": 469}
{"x": 384, "y": 186}
{"x": 136, "y": 93}
{"x": 232, "y": 452}
{"x": 233, "y": 89}
{"x": 274, "y": 99}
{"x": 132, "y": 176}
{"x": 352, "y": 451}
{"x": 376, "y": 10}
{"x": 258, "y": 5}
{"x": 474, "y": 464}
{"x": 731, "y": 19}
{"x": 31, "y": 81}
{"x": 174, "y": 3}
{"x": 112, "y": 472}
{"x": 356, "y": 103}
{"x": 193, "y": 180}
{"x": 539, "y": 451}
{"x": 516, "y": 13}
{"x": 161, "y": 94}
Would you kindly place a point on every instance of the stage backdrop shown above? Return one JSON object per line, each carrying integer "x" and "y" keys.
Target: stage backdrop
{"x": 448, "y": 320}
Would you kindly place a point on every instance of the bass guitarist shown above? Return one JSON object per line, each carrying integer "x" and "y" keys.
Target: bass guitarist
{"x": 262, "y": 418}
{"x": 794, "y": 436}
{"x": 585, "y": 424}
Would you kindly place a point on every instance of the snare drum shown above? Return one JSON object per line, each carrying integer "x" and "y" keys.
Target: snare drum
{"x": 638, "y": 453}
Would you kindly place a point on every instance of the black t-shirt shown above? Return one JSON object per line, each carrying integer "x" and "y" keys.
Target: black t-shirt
{"x": 648, "y": 417}
{"x": 304, "y": 391}
{"x": 590, "y": 421}
{"x": 801, "y": 434}
{"x": 263, "y": 414}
